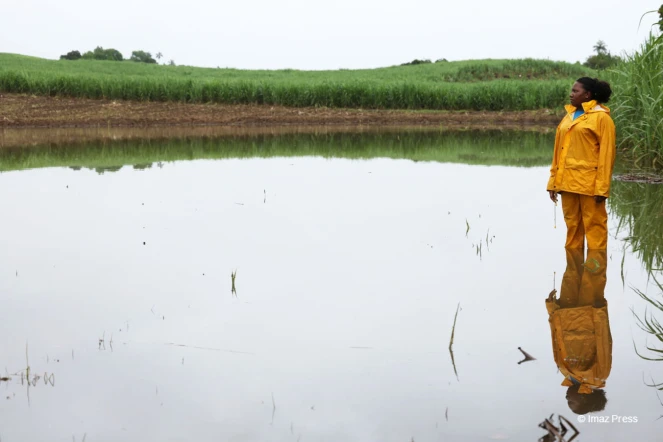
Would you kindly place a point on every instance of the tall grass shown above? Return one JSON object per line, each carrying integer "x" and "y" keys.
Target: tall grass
{"x": 519, "y": 69}
{"x": 498, "y": 95}
{"x": 515, "y": 85}
{"x": 486, "y": 148}
{"x": 638, "y": 104}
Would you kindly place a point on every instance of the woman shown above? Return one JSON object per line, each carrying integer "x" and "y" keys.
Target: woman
{"x": 582, "y": 164}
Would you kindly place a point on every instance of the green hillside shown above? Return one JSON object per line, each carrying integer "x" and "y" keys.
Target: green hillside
{"x": 472, "y": 85}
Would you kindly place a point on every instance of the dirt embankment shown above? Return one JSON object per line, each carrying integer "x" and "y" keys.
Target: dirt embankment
{"x": 32, "y": 111}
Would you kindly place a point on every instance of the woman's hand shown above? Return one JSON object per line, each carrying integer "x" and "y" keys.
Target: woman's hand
{"x": 600, "y": 199}
{"x": 553, "y": 196}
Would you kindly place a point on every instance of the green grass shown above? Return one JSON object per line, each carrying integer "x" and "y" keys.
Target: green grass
{"x": 637, "y": 106}
{"x": 649, "y": 323}
{"x": 507, "y": 148}
{"x": 639, "y": 208}
{"x": 466, "y": 85}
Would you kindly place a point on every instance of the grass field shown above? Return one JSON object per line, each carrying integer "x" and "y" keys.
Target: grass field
{"x": 464, "y": 85}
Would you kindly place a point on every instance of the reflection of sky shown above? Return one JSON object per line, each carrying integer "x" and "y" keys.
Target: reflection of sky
{"x": 343, "y": 254}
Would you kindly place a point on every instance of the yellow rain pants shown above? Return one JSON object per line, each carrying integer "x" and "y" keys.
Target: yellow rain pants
{"x": 579, "y": 324}
{"x": 584, "y": 217}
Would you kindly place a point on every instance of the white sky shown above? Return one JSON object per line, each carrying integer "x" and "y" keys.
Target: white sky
{"x": 309, "y": 34}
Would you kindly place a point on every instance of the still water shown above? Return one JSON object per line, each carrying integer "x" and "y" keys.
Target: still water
{"x": 352, "y": 253}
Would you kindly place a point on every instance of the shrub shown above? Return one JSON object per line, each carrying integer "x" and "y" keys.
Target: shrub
{"x": 142, "y": 57}
{"x": 100, "y": 53}
{"x": 602, "y": 61}
{"x": 72, "y": 55}
{"x": 415, "y": 62}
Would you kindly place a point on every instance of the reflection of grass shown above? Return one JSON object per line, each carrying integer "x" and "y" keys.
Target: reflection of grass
{"x": 651, "y": 325}
{"x": 639, "y": 208}
{"x": 492, "y": 147}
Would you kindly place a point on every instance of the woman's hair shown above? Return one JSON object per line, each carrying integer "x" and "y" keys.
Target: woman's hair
{"x": 600, "y": 90}
{"x": 587, "y": 403}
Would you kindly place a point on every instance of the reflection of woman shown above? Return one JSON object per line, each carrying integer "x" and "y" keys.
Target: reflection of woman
{"x": 582, "y": 163}
{"x": 580, "y": 330}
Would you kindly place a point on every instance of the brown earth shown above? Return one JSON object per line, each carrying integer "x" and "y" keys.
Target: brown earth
{"x": 23, "y": 111}
{"x": 640, "y": 178}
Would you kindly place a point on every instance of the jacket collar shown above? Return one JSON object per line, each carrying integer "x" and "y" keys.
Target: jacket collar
{"x": 588, "y": 107}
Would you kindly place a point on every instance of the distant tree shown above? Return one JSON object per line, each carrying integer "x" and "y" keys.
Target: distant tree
{"x": 600, "y": 47}
{"x": 415, "y": 62}
{"x": 114, "y": 54}
{"x": 159, "y": 55}
{"x": 142, "y": 57}
{"x": 100, "y": 53}
{"x": 603, "y": 59}
{"x": 441, "y": 60}
{"x": 71, "y": 55}
{"x": 171, "y": 62}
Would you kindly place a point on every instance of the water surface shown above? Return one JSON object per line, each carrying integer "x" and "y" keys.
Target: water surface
{"x": 352, "y": 253}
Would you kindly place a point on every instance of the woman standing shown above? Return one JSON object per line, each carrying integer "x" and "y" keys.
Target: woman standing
{"x": 582, "y": 164}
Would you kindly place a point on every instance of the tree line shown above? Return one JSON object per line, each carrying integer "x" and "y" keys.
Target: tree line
{"x": 110, "y": 54}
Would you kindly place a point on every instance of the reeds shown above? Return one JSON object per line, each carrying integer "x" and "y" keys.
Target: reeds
{"x": 489, "y": 96}
{"x": 514, "y": 85}
{"x": 638, "y": 104}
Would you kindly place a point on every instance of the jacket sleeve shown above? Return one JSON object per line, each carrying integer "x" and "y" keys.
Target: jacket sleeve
{"x": 553, "y": 168}
{"x": 606, "y": 134}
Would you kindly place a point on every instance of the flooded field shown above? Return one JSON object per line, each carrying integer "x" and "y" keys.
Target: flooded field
{"x": 304, "y": 287}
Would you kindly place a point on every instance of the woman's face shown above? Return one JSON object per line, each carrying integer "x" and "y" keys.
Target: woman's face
{"x": 579, "y": 95}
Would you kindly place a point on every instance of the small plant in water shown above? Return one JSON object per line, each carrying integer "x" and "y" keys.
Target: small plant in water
{"x": 233, "y": 274}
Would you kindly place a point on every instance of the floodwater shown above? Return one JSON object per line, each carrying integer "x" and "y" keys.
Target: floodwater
{"x": 352, "y": 252}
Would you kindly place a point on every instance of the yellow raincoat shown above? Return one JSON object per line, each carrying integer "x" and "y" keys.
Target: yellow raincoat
{"x": 584, "y": 152}
{"x": 579, "y": 324}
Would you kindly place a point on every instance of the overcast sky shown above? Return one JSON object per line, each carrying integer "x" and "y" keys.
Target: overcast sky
{"x": 309, "y": 34}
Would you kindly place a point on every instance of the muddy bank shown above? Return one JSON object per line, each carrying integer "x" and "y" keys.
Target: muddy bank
{"x": 18, "y": 111}
{"x": 644, "y": 178}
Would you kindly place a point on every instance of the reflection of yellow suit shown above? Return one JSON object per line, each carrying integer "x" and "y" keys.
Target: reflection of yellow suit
{"x": 579, "y": 325}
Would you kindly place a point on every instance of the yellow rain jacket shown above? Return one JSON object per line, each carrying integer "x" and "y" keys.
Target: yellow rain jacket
{"x": 584, "y": 152}
{"x": 579, "y": 324}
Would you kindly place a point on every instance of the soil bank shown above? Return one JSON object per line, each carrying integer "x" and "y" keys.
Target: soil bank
{"x": 18, "y": 111}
